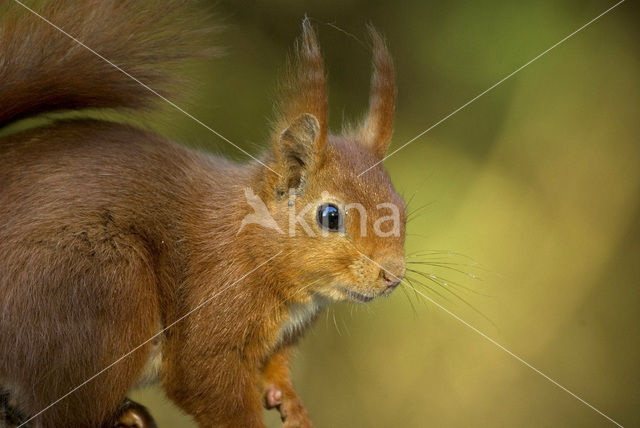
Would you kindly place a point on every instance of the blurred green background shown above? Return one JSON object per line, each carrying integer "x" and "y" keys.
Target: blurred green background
{"x": 533, "y": 188}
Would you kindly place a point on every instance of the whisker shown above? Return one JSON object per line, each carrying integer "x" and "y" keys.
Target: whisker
{"x": 447, "y": 281}
{"x": 448, "y": 266}
{"x": 446, "y": 253}
{"x": 333, "y": 313}
{"x": 435, "y": 279}
{"x": 417, "y": 296}
{"x": 419, "y": 282}
{"x": 438, "y": 261}
{"x": 415, "y": 256}
{"x": 413, "y": 195}
{"x": 413, "y": 308}
{"x": 416, "y": 234}
{"x": 444, "y": 263}
{"x": 446, "y": 258}
{"x": 345, "y": 325}
{"x": 408, "y": 284}
{"x": 418, "y": 209}
{"x": 412, "y": 280}
{"x": 416, "y": 216}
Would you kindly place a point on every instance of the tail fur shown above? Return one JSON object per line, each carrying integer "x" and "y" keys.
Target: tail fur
{"x": 44, "y": 70}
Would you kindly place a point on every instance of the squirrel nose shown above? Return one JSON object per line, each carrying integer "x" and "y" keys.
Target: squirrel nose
{"x": 389, "y": 279}
{"x": 392, "y": 273}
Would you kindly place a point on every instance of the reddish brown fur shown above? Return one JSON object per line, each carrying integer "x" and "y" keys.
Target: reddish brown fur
{"x": 44, "y": 70}
{"x": 378, "y": 125}
{"x": 108, "y": 231}
{"x": 303, "y": 88}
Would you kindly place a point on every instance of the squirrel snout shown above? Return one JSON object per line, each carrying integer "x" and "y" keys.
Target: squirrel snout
{"x": 393, "y": 272}
{"x": 390, "y": 280}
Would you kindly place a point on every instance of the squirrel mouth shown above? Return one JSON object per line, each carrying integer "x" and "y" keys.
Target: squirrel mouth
{"x": 357, "y": 297}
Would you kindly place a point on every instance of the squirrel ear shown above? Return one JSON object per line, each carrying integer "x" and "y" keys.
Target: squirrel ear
{"x": 299, "y": 151}
{"x": 303, "y": 87}
{"x": 302, "y": 112}
{"x": 377, "y": 128}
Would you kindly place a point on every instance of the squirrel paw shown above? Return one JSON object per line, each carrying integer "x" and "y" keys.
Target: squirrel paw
{"x": 291, "y": 409}
{"x": 272, "y": 398}
{"x": 294, "y": 415}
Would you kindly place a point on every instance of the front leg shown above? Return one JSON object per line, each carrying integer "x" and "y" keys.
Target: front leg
{"x": 219, "y": 391}
{"x": 279, "y": 392}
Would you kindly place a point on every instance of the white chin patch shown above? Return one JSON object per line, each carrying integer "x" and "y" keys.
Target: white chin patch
{"x": 300, "y": 316}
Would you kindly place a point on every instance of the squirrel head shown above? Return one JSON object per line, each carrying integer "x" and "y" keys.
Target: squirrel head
{"x": 341, "y": 229}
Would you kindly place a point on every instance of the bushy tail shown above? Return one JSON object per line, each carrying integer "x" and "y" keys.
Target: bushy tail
{"x": 42, "y": 69}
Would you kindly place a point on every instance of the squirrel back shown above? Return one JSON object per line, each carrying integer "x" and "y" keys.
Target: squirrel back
{"x": 75, "y": 55}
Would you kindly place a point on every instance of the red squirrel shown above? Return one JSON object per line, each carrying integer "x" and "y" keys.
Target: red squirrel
{"x": 111, "y": 235}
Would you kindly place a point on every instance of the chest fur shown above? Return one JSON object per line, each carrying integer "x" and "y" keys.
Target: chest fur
{"x": 150, "y": 374}
{"x": 300, "y": 316}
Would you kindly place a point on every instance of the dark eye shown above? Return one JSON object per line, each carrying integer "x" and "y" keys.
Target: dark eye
{"x": 329, "y": 217}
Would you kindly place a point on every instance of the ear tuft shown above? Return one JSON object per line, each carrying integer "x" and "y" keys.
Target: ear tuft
{"x": 378, "y": 125}
{"x": 302, "y": 113}
{"x": 303, "y": 87}
{"x": 299, "y": 151}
